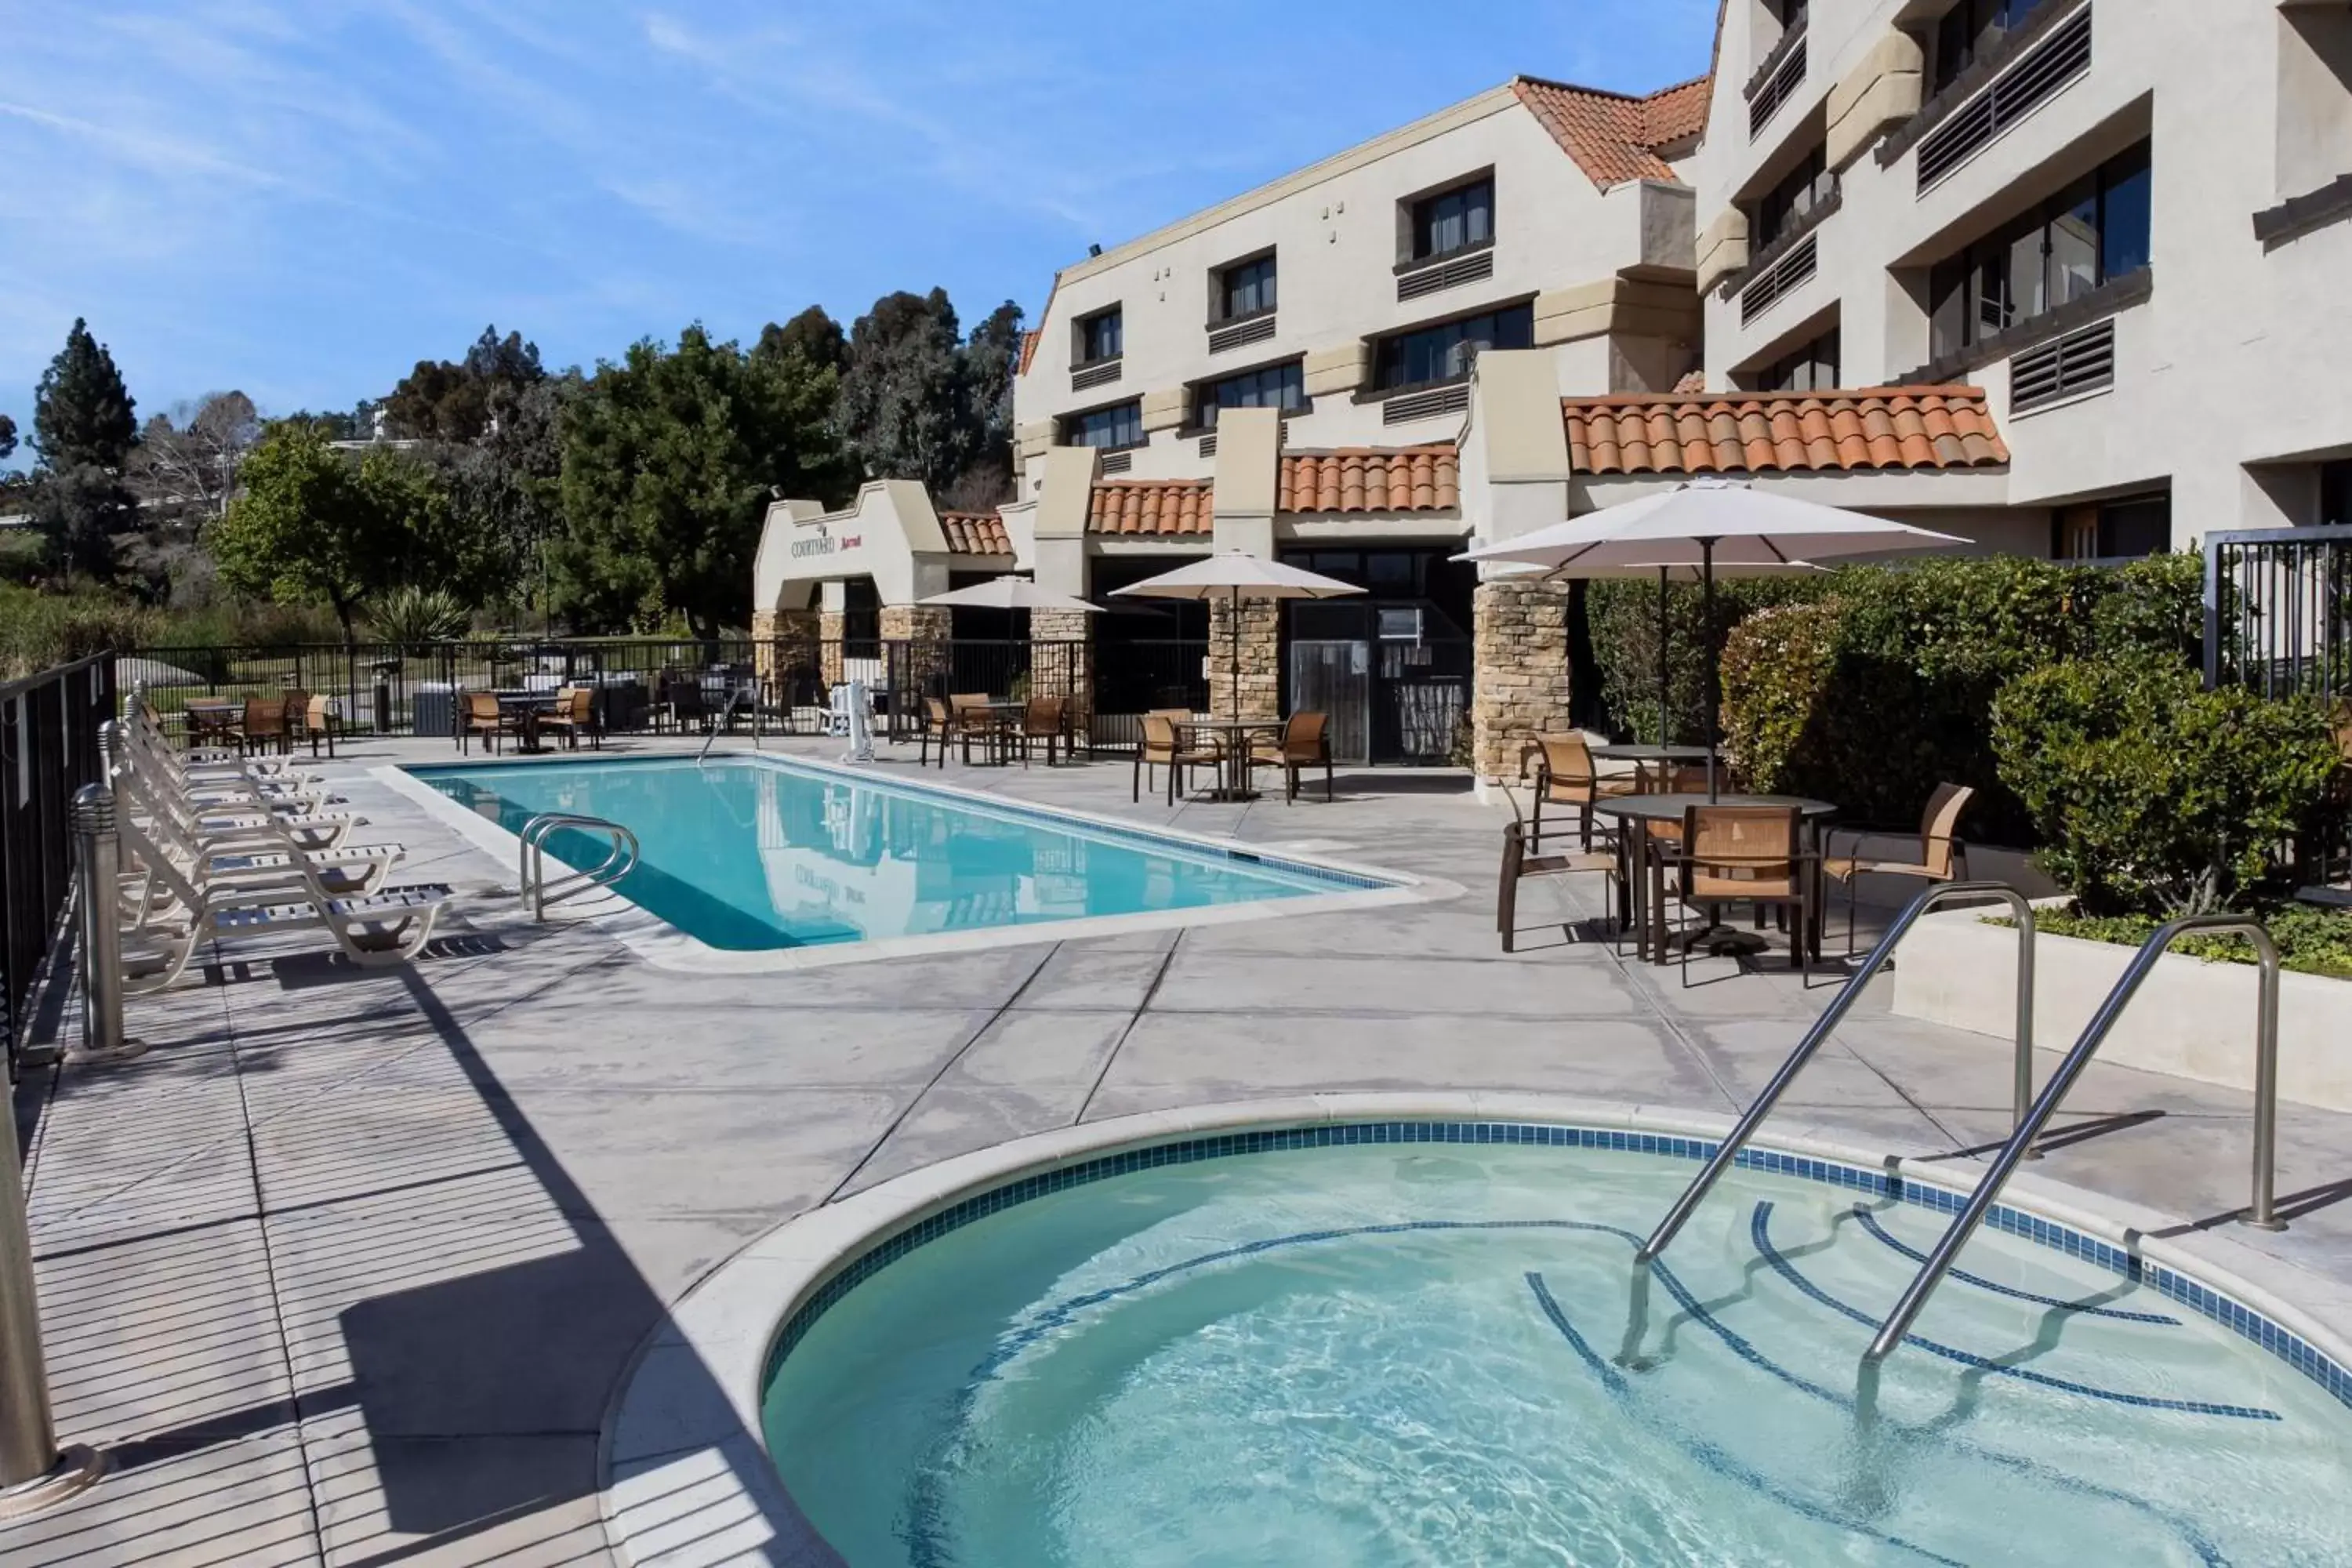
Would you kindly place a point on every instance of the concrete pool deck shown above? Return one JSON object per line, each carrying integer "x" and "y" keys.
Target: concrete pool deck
{"x": 348, "y": 1267}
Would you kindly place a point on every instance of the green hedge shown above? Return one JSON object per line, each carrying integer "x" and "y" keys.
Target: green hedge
{"x": 40, "y": 629}
{"x": 2152, "y": 795}
{"x": 1885, "y": 686}
{"x": 1622, "y": 614}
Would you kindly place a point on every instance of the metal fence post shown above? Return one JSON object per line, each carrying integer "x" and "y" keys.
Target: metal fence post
{"x": 33, "y": 1473}
{"x": 98, "y": 863}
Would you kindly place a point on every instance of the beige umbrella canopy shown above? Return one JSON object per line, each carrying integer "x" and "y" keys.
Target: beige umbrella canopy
{"x": 1233, "y": 575}
{"x": 1010, "y": 593}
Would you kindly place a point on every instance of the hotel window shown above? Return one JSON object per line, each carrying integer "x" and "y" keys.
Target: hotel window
{"x": 1271, "y": 386}
{"x": 1245, "y": 289}
{"x": 1101, "y": 336}
{"x": 1778, "y": 208}
{"x": 1443, "y": 353}
{"x": 2095, "y": 231}
{"x": 1972, "y": 29}
{"x": 1811, "y": 368}
{"x": 1454, "y": 220}
{"x": 1120, "y": 425}
{"x": 2120, "y": 530}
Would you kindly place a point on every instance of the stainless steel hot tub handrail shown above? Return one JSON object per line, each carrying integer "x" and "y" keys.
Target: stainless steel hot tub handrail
{"x": 532, "y": 883}
{"x": 1834, "y": 1014}
{"x": 2263, "y": 1212}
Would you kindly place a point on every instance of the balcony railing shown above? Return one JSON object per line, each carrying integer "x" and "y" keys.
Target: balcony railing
{"x": 2024, "y": 71}
{"x": 1769, "y": 92}
{"x": 1784, "y": 276}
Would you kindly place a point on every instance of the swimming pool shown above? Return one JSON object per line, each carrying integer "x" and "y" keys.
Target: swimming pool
{"x": 1414, "y": 1343}
{"x": 757, "y": 854}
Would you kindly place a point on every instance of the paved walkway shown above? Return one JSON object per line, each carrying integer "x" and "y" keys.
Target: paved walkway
{"x": 346, "y": 1268}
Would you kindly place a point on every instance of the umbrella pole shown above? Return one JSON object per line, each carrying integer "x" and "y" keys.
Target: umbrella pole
{"x": 1714, "y": 663}
{"x": 1666, "y": 680}
{"x": 1233, "y": 636}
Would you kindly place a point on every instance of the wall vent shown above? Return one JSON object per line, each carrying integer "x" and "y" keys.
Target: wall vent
{"x": 1425, "y": 405}
{"x": 1472, "y": 268}
{"x": 2084, "y": 361}
{"x": 1209, "y": 445}
{"x": 1117, "y": 462}
{"x": 1101, "y": 375}
{"x": 1254, "y": 331}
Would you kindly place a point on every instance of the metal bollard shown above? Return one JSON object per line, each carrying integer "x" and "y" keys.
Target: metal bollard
{"x": 33, "y": 1473}
{"x": 99, "y": 860}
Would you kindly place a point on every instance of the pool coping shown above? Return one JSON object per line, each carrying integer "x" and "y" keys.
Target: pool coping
{"x": 683, "y": 1472}
{"x": 665, "y": 946}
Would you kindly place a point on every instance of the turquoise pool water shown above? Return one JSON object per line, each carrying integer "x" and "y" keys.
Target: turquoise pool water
{"x": 747, "y": 853}
{"x": 1433, "y": 1355}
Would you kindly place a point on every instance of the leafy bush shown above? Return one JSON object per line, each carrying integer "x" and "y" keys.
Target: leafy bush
{"x": 1622, "y": 614}
{"x": 1884, "y": 686}
{"x": 2151, "y": 795}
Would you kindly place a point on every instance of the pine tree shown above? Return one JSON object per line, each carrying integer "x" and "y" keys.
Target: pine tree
{"x": 82, "y": 415}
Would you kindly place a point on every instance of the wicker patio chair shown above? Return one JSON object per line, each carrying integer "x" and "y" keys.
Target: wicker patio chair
{"x": 1305, "y": 742}
{"x": 265, "y": 724}
{"x": 1527, "y": 854}
{"x": 1746, "y": 855}
{"x": 938, "y": 727}
{"x": 486, "y": 717}
{"x": 1161, "y": 747}
{"x": 1942, "y": 857}
{"x": 574, "y": 715}
{"x": 1565, "y": 774}
{"x": 1042, "y": 721}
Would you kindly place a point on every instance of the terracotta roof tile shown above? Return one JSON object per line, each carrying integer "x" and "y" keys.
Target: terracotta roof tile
{"x": 1894, "y": 427}
{"x": 1150, "y": 507}
{"x": 1369, "y": 479}
{"x": 1614, "y": 138}
{"x": 1029, "y": 349}
{"x": 975, "y": 533}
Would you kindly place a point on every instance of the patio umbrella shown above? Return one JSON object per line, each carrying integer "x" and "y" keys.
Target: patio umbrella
{"x": 1010, "y": 593}
{"x": 1233, "y": 575}
{"x": 1719, "y": 523}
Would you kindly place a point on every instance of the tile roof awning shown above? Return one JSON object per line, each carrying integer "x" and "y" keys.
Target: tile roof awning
{"x": 1409, "y": 478}
{"x": 975, "y": 533}
{"x": 1614, "y": 138}
{"x": 1151, "y": 507}
{"x": 1870, "y": 429}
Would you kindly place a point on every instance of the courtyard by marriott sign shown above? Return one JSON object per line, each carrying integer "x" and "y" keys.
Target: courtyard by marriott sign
{"x": 823, "y": 543}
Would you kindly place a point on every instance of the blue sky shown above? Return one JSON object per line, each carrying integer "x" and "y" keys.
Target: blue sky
{"x": 300, "y": 198}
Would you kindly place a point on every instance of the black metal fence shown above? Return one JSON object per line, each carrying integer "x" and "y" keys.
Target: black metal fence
{"x": 2278, "y": 611}
{"x": 49, "y": 749}
{"x": 657, "y": 683}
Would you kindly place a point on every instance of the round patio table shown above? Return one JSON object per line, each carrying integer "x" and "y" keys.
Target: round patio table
{"x": 1233, "y": 751}
{"x": 1632, "y": 811}
{"x": 1004, "y": 714}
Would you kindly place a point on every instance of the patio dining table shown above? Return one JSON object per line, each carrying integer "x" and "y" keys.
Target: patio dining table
{"x": 526, "y": 709}
{"x": 1642, "y": 882}
{"x": 1003, "y": 714}
{"x": 1652, "y": 762}
{"x": 1232, "y": 738}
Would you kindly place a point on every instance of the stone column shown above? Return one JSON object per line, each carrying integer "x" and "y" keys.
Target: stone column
{"x": 925, "y": 630}
{"x": 1519, "y": 683}
{"x": 784, "y": 646}
{"x": 1259, "y": 652}
{"x": 1061, "y": 662}
{"x": 832, "y": 627}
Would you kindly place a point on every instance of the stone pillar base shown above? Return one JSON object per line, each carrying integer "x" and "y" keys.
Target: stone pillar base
{"x": 832, "y": 627}
{"x": 915, "y": 644}
{"x": 785, "y": 652}
{"x": 1520, "y": 686}
{"x": 1061, "y": 663}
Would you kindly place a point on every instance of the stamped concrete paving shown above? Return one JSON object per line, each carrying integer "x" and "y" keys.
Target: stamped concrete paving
{"x": 346, "y": 1268}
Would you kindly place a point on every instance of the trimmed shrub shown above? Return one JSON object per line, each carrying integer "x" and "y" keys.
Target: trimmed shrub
{"x": 1885, "y": 689}
{"x": 1622, "y": 614}
{"x": 2152, "y": 795}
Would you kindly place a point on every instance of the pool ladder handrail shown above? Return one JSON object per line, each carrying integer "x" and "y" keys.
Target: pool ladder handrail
{"x": 531, "y": 882}
{"x": 1834, "y": 1014}
{"x": 2261, "y": 1213}
{"x": 725, "y": 716}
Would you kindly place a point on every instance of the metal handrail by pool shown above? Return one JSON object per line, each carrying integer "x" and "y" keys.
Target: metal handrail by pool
{"x": 2262, "y": 1212}
{"x": 531, "y": 879}
{"x": 1834, "y": 1014}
